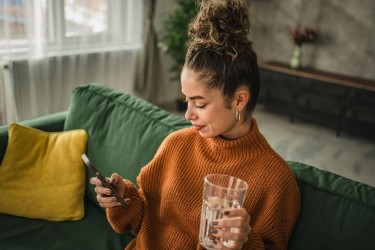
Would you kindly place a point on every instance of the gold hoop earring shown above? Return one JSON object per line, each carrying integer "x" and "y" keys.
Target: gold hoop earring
{"x": 238, "y": 115}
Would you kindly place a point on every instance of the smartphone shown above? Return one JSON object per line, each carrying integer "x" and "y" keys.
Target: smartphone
{"x": 104, "y": 181}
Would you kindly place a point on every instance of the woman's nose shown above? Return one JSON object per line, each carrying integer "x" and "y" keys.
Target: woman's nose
{"x": 189, "y": 114}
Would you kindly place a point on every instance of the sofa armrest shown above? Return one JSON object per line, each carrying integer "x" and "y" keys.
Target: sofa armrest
{"x": 51, "y": 123}
{"x": 336, "y": 213}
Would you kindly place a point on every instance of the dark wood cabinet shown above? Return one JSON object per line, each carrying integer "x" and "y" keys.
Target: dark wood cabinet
{"x": 342, "y": 102}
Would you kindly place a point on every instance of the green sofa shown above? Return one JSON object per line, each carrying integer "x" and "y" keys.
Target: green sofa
{"x": 125, "y": 132}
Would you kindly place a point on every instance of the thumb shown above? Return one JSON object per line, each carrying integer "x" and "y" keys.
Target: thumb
{"x": 115, "y": 178}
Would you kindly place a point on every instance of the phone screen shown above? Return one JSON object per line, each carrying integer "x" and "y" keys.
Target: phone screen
{"x": 102, "y": 179}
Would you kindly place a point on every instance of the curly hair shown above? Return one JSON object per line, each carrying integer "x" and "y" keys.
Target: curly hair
{"x": 219, "y": 49}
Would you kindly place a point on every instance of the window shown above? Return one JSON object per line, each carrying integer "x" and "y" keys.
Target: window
{"x": 85, "y": 17}
{"x": 64, "y": 25}
{"x": 12, "y": 22}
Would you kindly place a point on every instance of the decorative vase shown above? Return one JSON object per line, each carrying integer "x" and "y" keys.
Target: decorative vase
{"x": 295, "y": 62}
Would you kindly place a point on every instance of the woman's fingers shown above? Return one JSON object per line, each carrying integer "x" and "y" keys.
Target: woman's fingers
{"x": 233, "y": 234}
{"x": 233, "y": 229}
{"x": 94, "y": 181}
{"x": 226, "y": 246}
{"x": 237, "y": 212}
{"x": 103, "y": 191}
{"x": 107, "y": 202}
{"x": 237, "y": 218}
{"x": 104, "y": 194}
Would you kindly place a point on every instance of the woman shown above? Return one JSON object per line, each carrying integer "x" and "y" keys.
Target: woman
{"x": 220, "y": 80}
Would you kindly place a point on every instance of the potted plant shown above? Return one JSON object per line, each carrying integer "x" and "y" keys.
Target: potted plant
{"x": 175, "y": 39}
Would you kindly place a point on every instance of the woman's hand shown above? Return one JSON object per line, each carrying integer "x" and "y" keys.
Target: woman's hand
{"x": 234, "y": 229}
{"x": 104, "y": 195}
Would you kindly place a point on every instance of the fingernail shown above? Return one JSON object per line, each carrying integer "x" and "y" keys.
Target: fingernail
{"x": 113, "y": 180}
{"x": 114, "y": 199}
{"x": 226, "y": 213}
{"x": 214, "y": 231}
{"x": 215, "y": 223}
{"x": 127, "y": 200}
{"x": 108, "y": 191}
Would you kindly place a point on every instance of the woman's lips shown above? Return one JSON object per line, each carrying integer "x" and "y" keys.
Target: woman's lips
{"x": 198, "y": 127}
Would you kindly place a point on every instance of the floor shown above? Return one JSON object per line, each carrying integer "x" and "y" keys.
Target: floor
{"x": 349, "y": 156}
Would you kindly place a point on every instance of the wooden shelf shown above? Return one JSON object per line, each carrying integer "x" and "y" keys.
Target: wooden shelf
{"x": 318, "y": 75}
{"x": 335, "y": 96}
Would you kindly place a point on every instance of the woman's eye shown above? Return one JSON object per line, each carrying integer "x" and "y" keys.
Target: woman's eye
{"x": 200, "y": 106}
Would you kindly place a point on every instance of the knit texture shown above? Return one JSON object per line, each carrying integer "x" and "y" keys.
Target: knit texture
{"x": 165, "y": 210}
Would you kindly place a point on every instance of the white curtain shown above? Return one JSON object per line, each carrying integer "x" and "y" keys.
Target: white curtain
{"x": 47, "y": 48}
{"x": 148, "y": 77}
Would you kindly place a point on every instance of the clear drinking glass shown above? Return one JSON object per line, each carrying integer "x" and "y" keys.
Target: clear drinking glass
{"x": 220, "y": 192}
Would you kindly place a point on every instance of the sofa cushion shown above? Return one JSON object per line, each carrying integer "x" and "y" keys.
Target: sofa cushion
{"x": 42, "y": 174}
{"x": 52, "y": 123}
{"x": 124, "y": 131}
{"x": 91, "y": 232}
{"x": 337, "y": 213}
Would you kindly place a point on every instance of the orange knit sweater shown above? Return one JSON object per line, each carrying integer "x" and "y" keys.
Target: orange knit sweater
{"x": 165, "y": 211}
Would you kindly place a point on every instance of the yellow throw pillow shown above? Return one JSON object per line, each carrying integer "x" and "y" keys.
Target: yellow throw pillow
{"x": 42, "y": 175}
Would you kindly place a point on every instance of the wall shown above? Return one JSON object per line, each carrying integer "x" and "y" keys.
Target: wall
{"x": 346, "y": 29}
{"x": 170, "y": 89}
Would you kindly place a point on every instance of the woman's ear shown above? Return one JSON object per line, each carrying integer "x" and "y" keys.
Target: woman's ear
{"x": 241, "y": 98}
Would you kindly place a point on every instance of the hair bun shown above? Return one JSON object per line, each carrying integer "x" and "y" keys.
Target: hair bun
{"x": 221, "y": 25}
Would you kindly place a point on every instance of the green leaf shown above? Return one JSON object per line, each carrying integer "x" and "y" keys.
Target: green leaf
{"x": 174, "y": 35}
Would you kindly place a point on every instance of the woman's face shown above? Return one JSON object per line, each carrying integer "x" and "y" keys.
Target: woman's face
{"x": 207, "y": 110}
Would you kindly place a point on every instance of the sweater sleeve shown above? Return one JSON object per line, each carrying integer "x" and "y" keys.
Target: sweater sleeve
{"x": 255, "y": 241}
{"x": 128, "y": 217}
{"x": 278, "y": 214}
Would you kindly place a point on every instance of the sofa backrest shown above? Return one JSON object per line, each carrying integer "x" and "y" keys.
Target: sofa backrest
{"x": 124, "y": 131}
{"x": 51, "y": 123}
{"x": 337, "y": 213}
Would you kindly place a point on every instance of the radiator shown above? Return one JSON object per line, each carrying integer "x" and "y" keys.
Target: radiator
{"x": 31, "y": 88}
{"x": 8, "y": 110}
